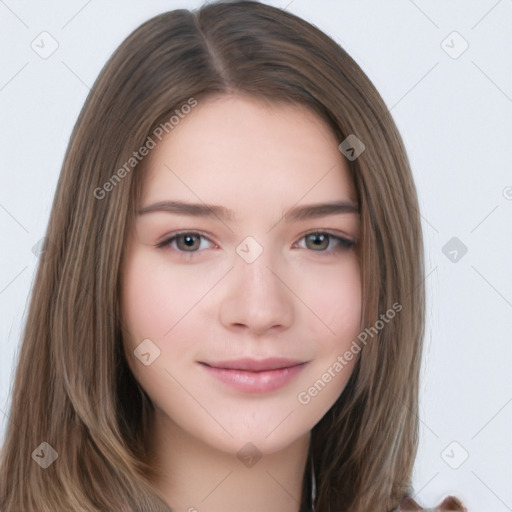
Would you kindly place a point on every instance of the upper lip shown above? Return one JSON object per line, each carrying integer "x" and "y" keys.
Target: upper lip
{"x": 255, "y": 365}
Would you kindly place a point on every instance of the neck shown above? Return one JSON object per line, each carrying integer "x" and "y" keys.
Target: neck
{"x": 195, "y": 476}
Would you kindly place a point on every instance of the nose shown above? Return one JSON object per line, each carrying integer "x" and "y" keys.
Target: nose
{"x": 256, "y": 297}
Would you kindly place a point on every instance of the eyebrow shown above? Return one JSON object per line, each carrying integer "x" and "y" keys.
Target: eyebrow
{"x": 311, "y": 211}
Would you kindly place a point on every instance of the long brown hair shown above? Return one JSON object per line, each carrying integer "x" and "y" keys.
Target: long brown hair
{"x": 73, "y": 389}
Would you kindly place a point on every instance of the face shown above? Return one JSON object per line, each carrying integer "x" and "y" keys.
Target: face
{"x": 241, "y": 313}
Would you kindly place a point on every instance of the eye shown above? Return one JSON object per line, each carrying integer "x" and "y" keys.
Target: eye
{"x": 319, "y": 241}
{"x": 186, "y": 241}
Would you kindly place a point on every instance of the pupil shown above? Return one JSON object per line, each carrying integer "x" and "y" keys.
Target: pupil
{"x": 319, "y": 238}
{"x": 188, "y": 241}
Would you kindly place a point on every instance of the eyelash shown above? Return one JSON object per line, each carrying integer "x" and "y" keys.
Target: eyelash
{"x": 344, "y": 244}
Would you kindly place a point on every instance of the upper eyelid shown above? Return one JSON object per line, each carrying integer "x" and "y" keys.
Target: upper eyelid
{"x": 331, "y": 232}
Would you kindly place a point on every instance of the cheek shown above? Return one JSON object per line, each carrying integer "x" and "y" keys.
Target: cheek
{"x": 334, "y": 297}
{"x": 162, "y": 303}
{"x": 156, "y": 296}
{"x": 154, "y": 302}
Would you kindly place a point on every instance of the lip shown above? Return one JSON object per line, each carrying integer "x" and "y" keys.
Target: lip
{"x": 253, "y": 375}
{"x": 255, "y": 365}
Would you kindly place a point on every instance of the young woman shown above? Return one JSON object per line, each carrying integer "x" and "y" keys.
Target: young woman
{"x": 230, "y": 309}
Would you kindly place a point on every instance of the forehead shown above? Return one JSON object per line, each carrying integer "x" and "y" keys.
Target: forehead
{"x": 238, "y": 150}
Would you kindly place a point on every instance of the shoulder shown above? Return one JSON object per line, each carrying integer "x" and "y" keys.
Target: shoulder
{"x": 450, "y": 503}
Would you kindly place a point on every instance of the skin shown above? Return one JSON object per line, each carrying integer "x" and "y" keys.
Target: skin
{"x": 207, "y": 303}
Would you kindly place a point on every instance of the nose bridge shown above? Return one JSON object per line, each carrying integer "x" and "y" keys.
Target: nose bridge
{"x": 256, "y": 266}
{"x": 256, "y": 297}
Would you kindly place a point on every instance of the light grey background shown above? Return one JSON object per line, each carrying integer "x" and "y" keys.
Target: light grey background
{"x": 455, "y": 115}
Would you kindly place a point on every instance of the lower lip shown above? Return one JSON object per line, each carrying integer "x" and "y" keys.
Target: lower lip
{"x": 255, "y": 382}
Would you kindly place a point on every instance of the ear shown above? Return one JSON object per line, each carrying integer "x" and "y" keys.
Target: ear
{"x": 451, "y": 503}
{"x": 407, "y": 504}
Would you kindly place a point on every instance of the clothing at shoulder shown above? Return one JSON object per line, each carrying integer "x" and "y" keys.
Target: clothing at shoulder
{"x": 450, "y": 503}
